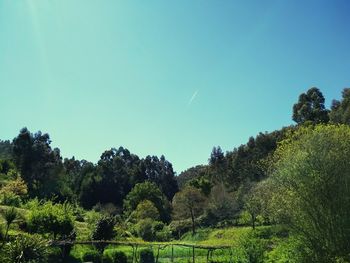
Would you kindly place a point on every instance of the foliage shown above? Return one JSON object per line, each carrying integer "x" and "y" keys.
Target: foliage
{"x": 25, "y": 249}
{"x": 114, "y": 256}
{"x": 202, "y": 184}
{"x": 145, "y": 230}
{"x": 17, "y": 187}
{"x": 146, "y": 209}
{"x": 54, "y": 219}
{"x": 288, "y": 251}
{"x": 5, "y": 150}
{"x": 164, "y": 234}
{"x": 147, "y": 191}
{"x": 189, "y": 203}
{"x": 103, "y": 230}
{"x": 146, "y": 256}
{"x": 257, "y": 201}
{"x": 340, "y": 110}
{"x": 310, "y": 107}
{"x": 179, "y": 227}
{"x": 91, "y": 256}
{"x": 116, "y": 173}
{"x": 160, "y": 171}
{"x": 222, "y": 205}
{"x": 13, "y": 192}
{"x": 10, "y": 215}
{"x": 191, "y": 174}
{"x": 10, "y": 199}
{"x": 39, "y": 165}
{"x": 245, "y": 163}
{"x": 312, "y": 173}
{"x": 252, "y": 249}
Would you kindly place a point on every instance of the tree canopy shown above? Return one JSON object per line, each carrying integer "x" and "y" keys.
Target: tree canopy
{"x": 310, "y": 107}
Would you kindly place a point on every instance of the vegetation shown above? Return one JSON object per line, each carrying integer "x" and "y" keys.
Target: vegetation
{"x": 281, "y": 197}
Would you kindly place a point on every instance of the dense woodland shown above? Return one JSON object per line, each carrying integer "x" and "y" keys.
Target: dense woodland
{"x": 288, "y": 189}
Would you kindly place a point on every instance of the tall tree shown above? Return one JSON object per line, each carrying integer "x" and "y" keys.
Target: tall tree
{"x": 310, "y": 107}
{"x": 40, "y": 165}
{"x": 340, "y": 110}
{"x": 160, "y": 171}
{"x": 217, "y": 162}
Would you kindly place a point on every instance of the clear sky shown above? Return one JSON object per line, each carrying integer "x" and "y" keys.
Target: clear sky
{"x": 165, "y": 77}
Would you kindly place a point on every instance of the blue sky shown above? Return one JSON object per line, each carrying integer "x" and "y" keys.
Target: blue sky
{"x": 165, "y": 77}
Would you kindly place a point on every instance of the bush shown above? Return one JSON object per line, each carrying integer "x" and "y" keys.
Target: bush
{"x": 253, "y": 248}
{"x": 161, "y": 232}
{"x": 53, "y": 219}
{"x": 10, "y": 199}
{"x": 179, "y": 227}
{"x": 25, "y": 249}
{"x": 114, "y": 256}
{"x": 146, "y": 256}
{"x": 144, "y": 229}
{"x": 91, "y": 256}
{"x": 103, "y": 230}
{"x": 288, "y": 251}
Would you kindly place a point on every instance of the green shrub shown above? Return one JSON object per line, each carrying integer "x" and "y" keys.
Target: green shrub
{"x": 114, "y": 256}
{"x": 146, "y": 256}
{"x": 103, "y": 230}
{"x": 145, "y": 230}
{"x": 54, "y": 219}
{"x": 163, "y": 236}
{"x": 157, "y": 226}
{"x": 288, "y": 251}
{"x": 25, "y": 249}
{"x": 10, "y": 199}
{"x": 254, "y": 248}
{"x": 91, "y": 256}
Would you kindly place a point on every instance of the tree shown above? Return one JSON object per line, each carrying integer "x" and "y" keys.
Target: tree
{"x": 39, "y": 165}
{"x": 117, "y": 169}
{"x": 191, "y": 174}
{"x": 103, "y": 230}
{"x": 189, "y": 203}
{"x": 312, "y": 171}
{"x": 56, "y": 220}
{"x": 310, "y": 107}
{"x": 5, "y": 150}
{"x": 257, "y": 201}
{"x": 217, "y": 162}
{"x": 221, "y": 205}
{"x": 146, "y": 209}
{"x": 244, "y": 164}
{"x": 160, "y": 171}
{"x": 147, "y": 191}
{"x": 340, "y": 110}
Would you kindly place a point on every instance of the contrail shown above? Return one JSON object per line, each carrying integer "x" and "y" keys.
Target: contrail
{"x": 193, "y": 97}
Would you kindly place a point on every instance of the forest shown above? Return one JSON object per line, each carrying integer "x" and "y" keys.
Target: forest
{"x": 284, "y": 196}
